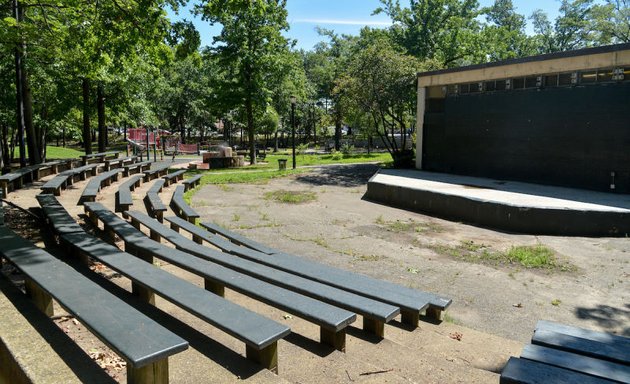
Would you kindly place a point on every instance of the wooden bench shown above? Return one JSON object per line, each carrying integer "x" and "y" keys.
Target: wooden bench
{"x": 119, "y": 162}
{"x": 191, "y": 182}
{"x": 156, "y": 172}
{"x": 180, "y": 207}
{"x": 65, "y": 178}
{"x": 375, "y": 314}
{"x": 123, "y": 198}
{"x": 98, "y": 157}
{"x": 58, "y": 219}
{"x": 559, "y": 350}
{"x": 152, "y": 202}
{"x": 410, "y": 301}
{"x": 331, "y": 320}
{"x": 141, "y": 342}
{"x": 174, "y": 177}
{"x": 96, "y": 183}
{"x": 259, "y": 333}
{"x": 18, "y": 177}
{"x": 136, "y": 168}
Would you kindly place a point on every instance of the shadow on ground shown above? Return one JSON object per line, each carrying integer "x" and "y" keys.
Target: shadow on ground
{"x": 608, "y": 317}
{"x": 349, "y": 176}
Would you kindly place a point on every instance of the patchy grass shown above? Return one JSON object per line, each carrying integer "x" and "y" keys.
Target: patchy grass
{"x": 368, "y": 257}
{"x": 225, "y": 187}
{"x": 400, "y": 226}
{"x": 291, "y": 197}
{"x": 532, "y": 257}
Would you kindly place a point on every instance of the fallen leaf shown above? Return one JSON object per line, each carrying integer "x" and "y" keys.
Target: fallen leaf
{"x": 519, "y": 305}
{"x": 456, "y": 336}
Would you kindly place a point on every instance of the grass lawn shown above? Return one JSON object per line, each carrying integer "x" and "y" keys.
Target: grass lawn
{"x": 62, "y": 153}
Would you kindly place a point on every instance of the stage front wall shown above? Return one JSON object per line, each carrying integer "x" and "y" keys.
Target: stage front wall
{"x": 571, "y": 136}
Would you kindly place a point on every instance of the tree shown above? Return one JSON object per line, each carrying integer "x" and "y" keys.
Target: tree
{"x": 442, "y": 30}
{"x": 572, "y": 28}
{"x": 251, "y": 46}
{"x": 612, "y": 21}
{"x": 381, "y": 81}
{"x": 504, "y": 36}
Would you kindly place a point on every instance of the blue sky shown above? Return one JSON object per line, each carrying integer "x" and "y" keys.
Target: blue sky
{"x": 345, "y": 17}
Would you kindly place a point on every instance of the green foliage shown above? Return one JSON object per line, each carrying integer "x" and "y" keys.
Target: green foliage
{"x": 537, "y": 256}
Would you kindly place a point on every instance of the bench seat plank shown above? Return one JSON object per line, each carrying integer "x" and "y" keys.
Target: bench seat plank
{"x": 522, "y": 371}
{"x": 123, "y": 197}
{"x": 394, "y": 294}
{"x": 192, "y": 182}
{"x": 600, "y": 345}
{"x": 578, "y": 363}
{"x": 138, "y": 339}
{"x": 249, "y": 327}
{"x": 180, "y": 207}
{"x": 367, "y": 307}
{"x": 173, "y": 177}
{"x": 57, "y": 216}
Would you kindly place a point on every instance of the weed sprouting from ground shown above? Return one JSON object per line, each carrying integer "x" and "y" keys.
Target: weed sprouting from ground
{"x": 291, "y": 197}
{"x": 402, "y": 226}
{"x": 532, "y": 257}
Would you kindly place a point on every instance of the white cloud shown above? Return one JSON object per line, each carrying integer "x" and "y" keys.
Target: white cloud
{"x": 344, "y": 22}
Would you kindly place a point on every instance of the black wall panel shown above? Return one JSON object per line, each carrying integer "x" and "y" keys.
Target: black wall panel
{"x": 572, "y": 137}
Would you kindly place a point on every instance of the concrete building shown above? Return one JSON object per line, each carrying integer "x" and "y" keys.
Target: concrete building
{"x": 558, "y": 119}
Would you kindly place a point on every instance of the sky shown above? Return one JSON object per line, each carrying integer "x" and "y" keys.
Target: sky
{"x": 345, "y": 17}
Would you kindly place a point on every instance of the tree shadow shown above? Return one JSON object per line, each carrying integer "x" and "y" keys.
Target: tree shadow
{"x": 349, "y": 176}
{"x": 608, "y": 317}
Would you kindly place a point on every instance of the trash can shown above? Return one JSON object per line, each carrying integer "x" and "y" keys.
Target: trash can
{"x": 282, "y": 164}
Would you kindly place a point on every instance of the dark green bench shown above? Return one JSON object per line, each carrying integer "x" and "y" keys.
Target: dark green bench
{"x": 410, "y": 301}
{"x": 136, "y": 168}
{"x": 180, "y": 207}
{"x": 119, "y": 162}
{"x": 56, "y": 216}
{"x": 174, "y": 177}
{"x": 65, "y": 178}
{"x": 123, "y": 198}
{"x": 565, "y": 354}
{"x": 375, "y": 314}
{"x": 192, "y": 182}
{"x": 152, "y": 202}
{"x": 98, "y": 157}
{"x": 18, "y": 177}
{"x": 95, "y": 184}
{"x": 155, "y": 172}
{"x": 141, "y": 342}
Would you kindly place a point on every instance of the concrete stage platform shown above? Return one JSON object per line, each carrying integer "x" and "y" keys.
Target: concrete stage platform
{"x": 504, "y": 205}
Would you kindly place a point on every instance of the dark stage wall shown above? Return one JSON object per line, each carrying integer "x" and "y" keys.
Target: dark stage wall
{"x": 573, "y": 136}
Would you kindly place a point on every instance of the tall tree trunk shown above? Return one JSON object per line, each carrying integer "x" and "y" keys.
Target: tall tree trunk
{"x": 19, "y": 67}
{"x": 87, "y": 134}
{"x": 100, "y": 108}
{"x": 337, "y": 130}
{"x": 250, "y": 130}
{"x": 6, "y": 156}
{"x": 32, "y": 136}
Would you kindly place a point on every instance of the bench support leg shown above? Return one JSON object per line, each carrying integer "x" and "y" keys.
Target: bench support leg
{"x": 42, "y": 300}
{"x": 267, "y": 357}
{"x": 215, "y": 288}
{"x": 375, "y": 327}
{"x": 434, "y": 313}
{"x": 197, "y": 239}
{"x": 175, "y": 227}
{"x": 143, "y": 293}
{"x": 160, "y": 216}
{"x": 192, "y": 220}
{"x": 336, "y": 339}
{"x": 410, "y": 317}
{"x": 154, "y": 373}
{"x": 155, "y": 236}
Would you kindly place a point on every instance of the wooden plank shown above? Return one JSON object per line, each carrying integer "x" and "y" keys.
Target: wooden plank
{"x": 578, "y": 363}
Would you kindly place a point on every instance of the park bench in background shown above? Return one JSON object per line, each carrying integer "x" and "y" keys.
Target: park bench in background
{"x": 136, "y": 168}
{"x": 411, "y": 301}
{"x": 191, "y": 182}
{"x": 375, "y": 313}
{"x": 119, "y": 162}
{"x": 141, "y": 342}
{"x": 156, "y": 172}
{"x": 173, "y": 177}
{"x": 123, "y": 198}
{"x": 18, "y": 177}
{"x": 98, "y": 157}
{"x": 96, "y": 183}
{"x": 564, "y": 354}
{"x": 152, "y": 202}
{"x": 180, "y": 207}
{"x": 65, "y": 178}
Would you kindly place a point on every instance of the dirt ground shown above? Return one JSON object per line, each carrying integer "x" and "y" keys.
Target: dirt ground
{"x": 340, "y": 228}
{"x": 494, "y": 310}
